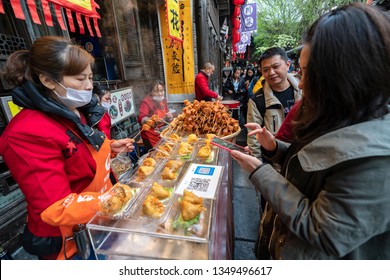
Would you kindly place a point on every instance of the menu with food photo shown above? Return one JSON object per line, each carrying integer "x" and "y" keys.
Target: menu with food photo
{"x": 201, "y": 179}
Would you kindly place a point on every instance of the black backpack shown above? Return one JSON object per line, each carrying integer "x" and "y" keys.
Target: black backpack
{"x": 259, "y": 100}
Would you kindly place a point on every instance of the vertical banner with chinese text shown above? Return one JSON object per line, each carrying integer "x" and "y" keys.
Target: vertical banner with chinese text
{"x": 178, "y": 57}
{"x": 174, "y": 22}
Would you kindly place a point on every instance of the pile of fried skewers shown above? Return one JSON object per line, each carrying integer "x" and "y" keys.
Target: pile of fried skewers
{"x": 203, "y": 117}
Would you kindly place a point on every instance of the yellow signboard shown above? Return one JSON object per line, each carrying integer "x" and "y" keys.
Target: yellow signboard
{"x": 179, "y": 57}
{"x": 173, "y": 16}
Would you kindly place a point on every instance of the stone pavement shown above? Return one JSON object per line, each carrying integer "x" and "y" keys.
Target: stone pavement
{"x": 246, "y": 210}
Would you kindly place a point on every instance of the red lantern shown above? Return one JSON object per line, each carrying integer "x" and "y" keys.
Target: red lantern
{"x": 237, "y": 11}
{"x": 238, "y": 2}
{"x": 236, "y": 23}
{"x": 236, "y": 36}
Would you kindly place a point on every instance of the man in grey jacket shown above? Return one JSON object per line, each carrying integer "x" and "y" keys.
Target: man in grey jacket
{"x": 271, "y": 103}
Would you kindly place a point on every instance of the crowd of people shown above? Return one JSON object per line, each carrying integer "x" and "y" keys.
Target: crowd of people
{"x": 318, "y": 146}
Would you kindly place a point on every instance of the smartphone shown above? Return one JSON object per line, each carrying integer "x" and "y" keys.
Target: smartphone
{"x": 224, "y": 144}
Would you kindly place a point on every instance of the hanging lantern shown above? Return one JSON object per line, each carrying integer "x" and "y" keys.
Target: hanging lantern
{"x": 236, "y": 23}
{"x": 235, "y": 48}
{"x": 236, "y": 36}
{"x": 237, "y": 11}
{"x": 238, "y": 2}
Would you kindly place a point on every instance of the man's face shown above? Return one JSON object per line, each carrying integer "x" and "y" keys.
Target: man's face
{"x": 274, "y": 70}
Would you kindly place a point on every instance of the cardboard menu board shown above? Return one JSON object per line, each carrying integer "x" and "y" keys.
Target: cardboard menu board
{"x": 122, "y": 104}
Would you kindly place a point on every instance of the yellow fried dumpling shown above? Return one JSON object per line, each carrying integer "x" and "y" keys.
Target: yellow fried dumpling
{"x": 152, "y": 207}
{"x": 192, "y": 198}
{"x": 192, "y": 139}
{"x": 185, "y": 149}
{"x": 205, "y": 151}
{"x": 144, "y": 171}
{"x": 189, "y": 210}
{"x": 159, "y": 192}
{"x": 149, "y": 162}
{"x": 174, "y": 165}
{"x": 174, "y": 137}
{"x": 168, "y": 174}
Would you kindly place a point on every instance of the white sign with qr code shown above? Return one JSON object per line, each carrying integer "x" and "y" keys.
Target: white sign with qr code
{"x": 201, "y": 179}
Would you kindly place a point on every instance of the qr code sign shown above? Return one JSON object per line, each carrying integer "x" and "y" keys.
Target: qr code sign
{"x": 199, "y": 184}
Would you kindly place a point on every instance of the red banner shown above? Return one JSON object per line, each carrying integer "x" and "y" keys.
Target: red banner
{"x": 86, "y": 8}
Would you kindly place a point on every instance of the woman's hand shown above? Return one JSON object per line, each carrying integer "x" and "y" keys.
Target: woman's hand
{"x": 168, "y": 116}
{"x": 264, "y": 137}
{"x": 247, "y": 162}
{"x": 122, "y": 145}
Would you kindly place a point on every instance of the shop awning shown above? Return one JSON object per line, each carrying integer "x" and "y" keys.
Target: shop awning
{"x": 85, "y": 8}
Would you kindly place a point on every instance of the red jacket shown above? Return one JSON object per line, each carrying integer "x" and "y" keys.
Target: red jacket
{"x": 285, "y": 132}
{"x": 202, "y": 90}
{"x": 148, "y": 108}
{"x": 47, "y": 161}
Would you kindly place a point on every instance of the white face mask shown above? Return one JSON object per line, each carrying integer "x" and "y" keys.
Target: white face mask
{"x": 158, "y": 98}
{"x": 106, "y": 105}
{"x": 75, "y": 98}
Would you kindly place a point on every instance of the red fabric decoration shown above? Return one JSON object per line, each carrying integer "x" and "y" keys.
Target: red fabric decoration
{"x": 87, "y": 8}
{"x": 235, "y": 48}
{"x": 33, "y": 11}
{"x": 236, "y": 23}
{"x": 237, "y": 11}
{"x": 70, "y": 20}
{"x": 95, "y": 24}
{"x": 46, "y": 12}
{"x": 88, "y": 26}
{"x": 18, "y": 11}
{"x": 234, "y": 55}
{"x": 80, "y": 22}
{"x": 236, "y": 36}
{"x": 1, "y": 8}
{"x": 238, "y": 2}
{"x": 59, "y": 17}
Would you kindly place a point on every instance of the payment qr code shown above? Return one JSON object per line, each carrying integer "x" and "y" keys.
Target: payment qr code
{"x": 199, "y": 184}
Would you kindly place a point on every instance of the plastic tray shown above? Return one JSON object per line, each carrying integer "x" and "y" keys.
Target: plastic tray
{"x": 197, "y": 232}
{"x": 213, "y": 159}
{"x": 115, "y": 195}
{"x": 139, "y": 212}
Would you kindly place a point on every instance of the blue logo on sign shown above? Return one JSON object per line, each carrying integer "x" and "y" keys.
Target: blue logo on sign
{"x": 204, "y": 170}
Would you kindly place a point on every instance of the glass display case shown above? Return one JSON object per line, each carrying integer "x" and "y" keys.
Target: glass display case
{"x": 137, "y": 235}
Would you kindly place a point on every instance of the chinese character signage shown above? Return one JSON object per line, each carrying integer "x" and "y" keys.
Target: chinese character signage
{"x": 122, "y": 104}
{"x": 178, "y": 57}
{"x": 248, "y": 17}
{"x": 173, "y": 17}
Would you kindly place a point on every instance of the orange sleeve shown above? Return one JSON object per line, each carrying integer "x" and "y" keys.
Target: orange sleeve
{"x": 73, "y": 209}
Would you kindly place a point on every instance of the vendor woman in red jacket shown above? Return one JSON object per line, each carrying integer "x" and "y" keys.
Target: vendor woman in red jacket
{"x": 53, "y": 146}
{"x": 202, "y": 90}
{"x": 154, "y": 104}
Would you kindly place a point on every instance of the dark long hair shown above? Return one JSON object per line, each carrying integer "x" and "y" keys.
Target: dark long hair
{"x": 347, "y": 76}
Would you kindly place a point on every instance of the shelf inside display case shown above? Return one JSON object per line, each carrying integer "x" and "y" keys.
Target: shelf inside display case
{"x": 129, "y": 239}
